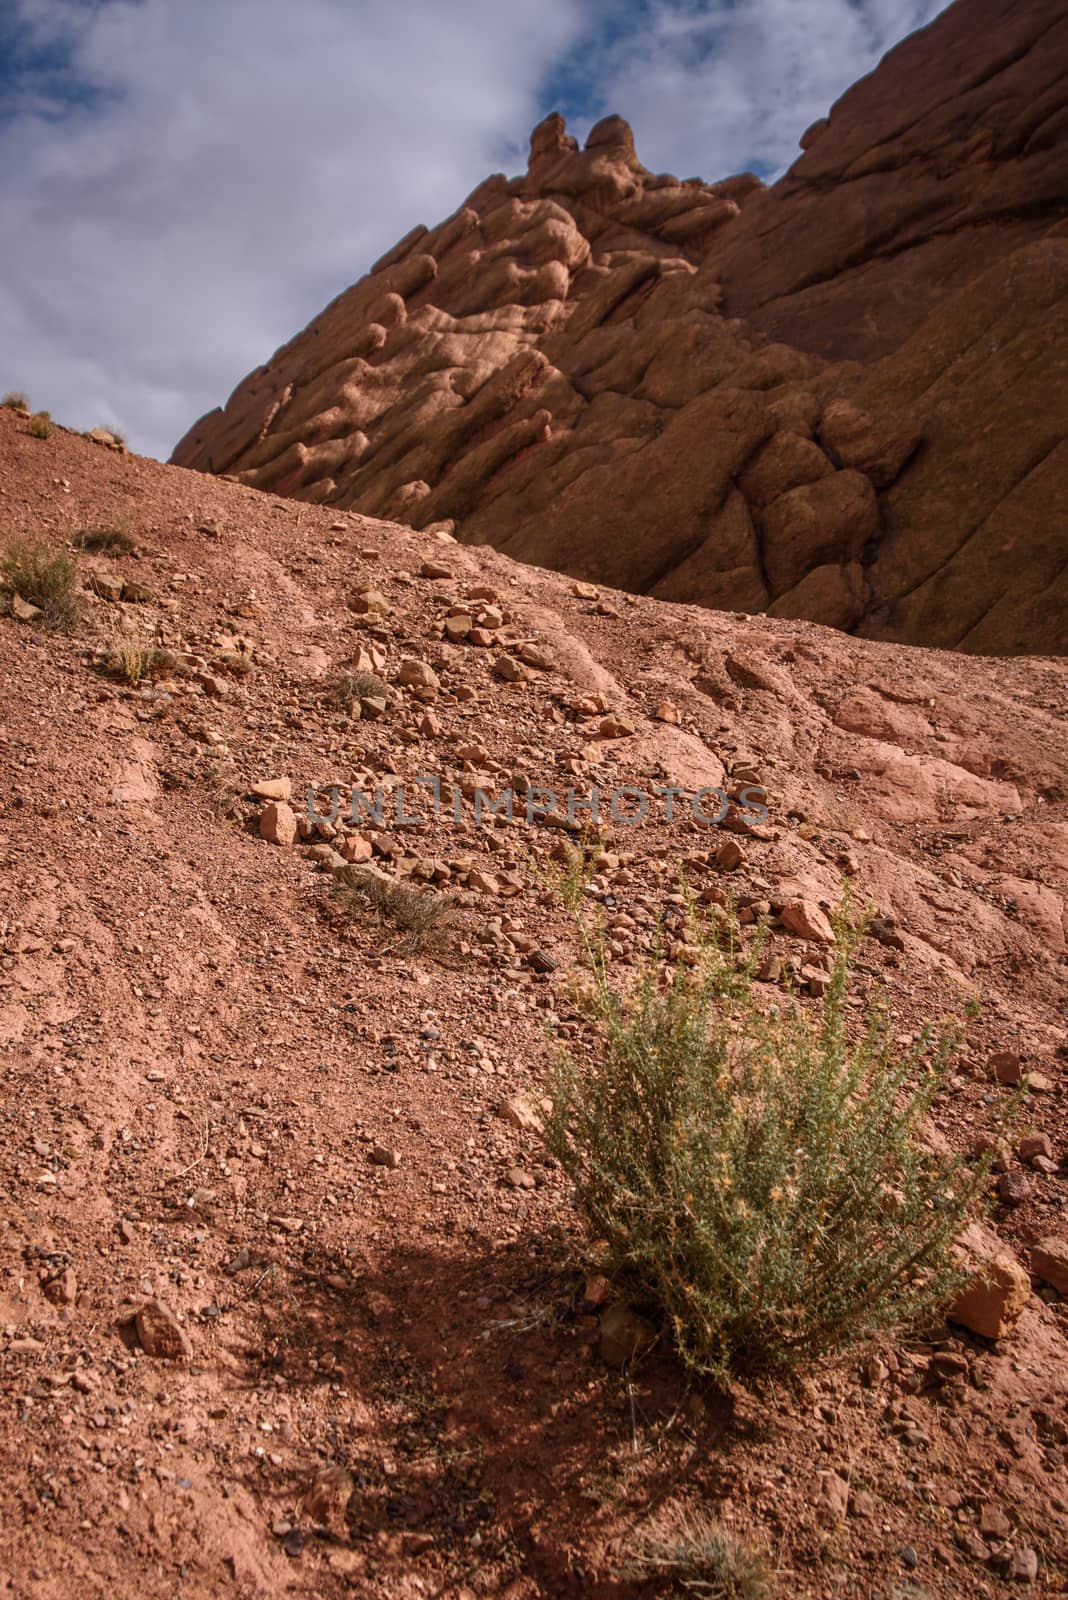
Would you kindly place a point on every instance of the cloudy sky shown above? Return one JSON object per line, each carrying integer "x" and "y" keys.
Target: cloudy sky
{"x": 184, "y": 183}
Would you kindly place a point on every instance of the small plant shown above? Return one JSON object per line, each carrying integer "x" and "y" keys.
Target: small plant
{"x": 44, "y": 575}
{"x": 358, "y": 685}
{"x": 16, "y": 400}
{"x": 112, "y": 540}
{"x": 424, "y": 916}
{"x": 131, "y": 657}
{"x": 760, "y": 1176}
{"x": 40, "y": 425}
{"x": 693, "y": 1548}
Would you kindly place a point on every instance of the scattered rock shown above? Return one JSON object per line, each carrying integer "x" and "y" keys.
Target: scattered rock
{"x": 517, "y": 1110}
{"x": 999, "y": 1289}
{"x": 160, "y": 1334}
{"x": 327, "y": 1499}
{"x": 278, "y": 824}
{"x": 273, "y": 789}
{"x": 1049, "y": 1261}
{"x": 805, "y": 919}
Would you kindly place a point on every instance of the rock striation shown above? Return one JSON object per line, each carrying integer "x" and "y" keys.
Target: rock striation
{"x": 842, "y": 398}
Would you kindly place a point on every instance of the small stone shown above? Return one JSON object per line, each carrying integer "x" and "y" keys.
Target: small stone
{"x": 805, "y": 919}
{"x": 1034, "y": 1144}
{"x": 273, "y": 789}
{"x": 327, "y": 1499}
{"x": 1023, "y": 1565}
{"x": 417, "y": 675}
{"x": 1049, "y": 1261}
{"x": 730, "y": 856}
{"x": 667, "y": 711}
{"x": 519, "y": 1178}
{"x": 108, "y": 585}
{"x": 623, "y": 1336}
{"x": 999, "y": 1289}
{"x": 1038, "y": 1083}
{"x": 371, "y": 602}
{"x": 518, "y": 1110}
{"x": 1014, "y": 1188}
{"x": 62, "y": 1290}
{"x": 356, "y": 847}
{"x": 278, "y": 824}
{"x": 508, "y": 670}
{"x": 23, "y": 611}
{"x": 993, "y": 1523}
{"x": 541, "y": 961}
{"x": 532, "y": 655}
{"x": 435, "y": 569}
{"x": 458, "y": 627}
{"x": 615, "y": 727}
{"x": 1005, "y": 1066}
{"x": 160, "y": 1333}
{"x": 597, "y": 1292}
{"x": 383, "y": 1156}
{"x": 834, "y": 1492}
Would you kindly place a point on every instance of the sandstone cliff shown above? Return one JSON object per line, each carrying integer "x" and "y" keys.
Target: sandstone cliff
{"x": 842, "y": 398}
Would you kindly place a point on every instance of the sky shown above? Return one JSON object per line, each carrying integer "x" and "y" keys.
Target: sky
{"x": 185, "y": 183}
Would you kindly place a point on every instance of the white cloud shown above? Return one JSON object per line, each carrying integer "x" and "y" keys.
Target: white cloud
{"x": 713, "y": 87}
{"x": 247, "y": 161}
{"x": 236, "y": 163}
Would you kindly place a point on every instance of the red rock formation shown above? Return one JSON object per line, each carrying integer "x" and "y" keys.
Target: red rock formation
{"x": 842, "y": 398}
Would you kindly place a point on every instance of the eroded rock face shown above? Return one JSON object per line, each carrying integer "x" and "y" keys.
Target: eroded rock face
{"x": 842, "y": 398}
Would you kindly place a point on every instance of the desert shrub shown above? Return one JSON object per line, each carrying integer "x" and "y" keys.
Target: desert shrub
{"x": 46, "y": 576}
{"x": 358, "y": 685}
{"x": 692, "y": 1547}
{"x": 111, "y": 540}
{"x": 40, "y": 425}
{"x": 130, "y": 657}
{"x": 16, "y": 400}
{"x": 424, "y": 917}
{"x": 756, "y": 1173}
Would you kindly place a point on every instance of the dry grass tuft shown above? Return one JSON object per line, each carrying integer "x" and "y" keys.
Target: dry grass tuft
{"x": 115, "y": 539}
{"x": 16, "y": 400}
{"x": 424, "y": 917}
{"x": 40, "y": 426}
{"x": 46, "y": 576}
{"x": 691, "y": 1547}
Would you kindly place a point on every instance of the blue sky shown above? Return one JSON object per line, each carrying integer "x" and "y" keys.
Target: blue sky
{"x": 184, "y": 183}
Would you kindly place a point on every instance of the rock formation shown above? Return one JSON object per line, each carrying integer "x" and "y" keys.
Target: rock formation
{"x": 844, "y": 397}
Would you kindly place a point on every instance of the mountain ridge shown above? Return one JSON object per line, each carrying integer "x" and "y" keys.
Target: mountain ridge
{"x": 842, "y": 397}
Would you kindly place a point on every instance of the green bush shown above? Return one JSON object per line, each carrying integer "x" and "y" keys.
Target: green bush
{"x": 757, "y": 1174}
{"x": 46, "y": 576}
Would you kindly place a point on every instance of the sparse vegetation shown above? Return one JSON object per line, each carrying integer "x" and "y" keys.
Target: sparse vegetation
{"x": 114, "y": 539}
{"x": 757, "y": 1174}
{"x": 692, "y": 1547}
{"x": 424, "y": 917}
{"x": 354, "y": 685}
{"x": 16, "y": 400}
{"x": 131, "y": 657}
{"x": 40, "y": 425}
{"x": 45, "y": 575}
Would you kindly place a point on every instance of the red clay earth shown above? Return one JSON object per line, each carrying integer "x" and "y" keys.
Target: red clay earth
{"x": 843, "y": 398}
{"x": 372, "y": 1371}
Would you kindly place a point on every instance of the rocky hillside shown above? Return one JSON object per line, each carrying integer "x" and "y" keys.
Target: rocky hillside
{"x": 292, "y": 1300}
{"x": 841, "y": 398}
